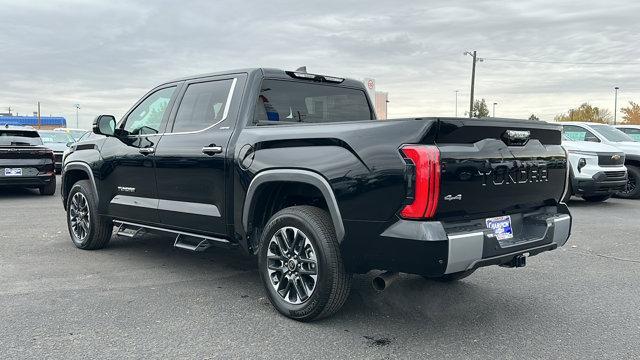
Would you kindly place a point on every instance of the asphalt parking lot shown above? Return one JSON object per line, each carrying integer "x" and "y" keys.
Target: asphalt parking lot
{"x": 141, "y": 298}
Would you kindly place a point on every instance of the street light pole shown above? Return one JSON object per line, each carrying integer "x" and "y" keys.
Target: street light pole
{"x": 473, "y": 78}
{"x": 615, "y": 106}
{"x": 457, "y": 102}
{"x": 494, "y": 109}
{"x": 77, "y": 106}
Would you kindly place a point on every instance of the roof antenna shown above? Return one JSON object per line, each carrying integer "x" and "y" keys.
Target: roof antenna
{"x": 302, "y": 69}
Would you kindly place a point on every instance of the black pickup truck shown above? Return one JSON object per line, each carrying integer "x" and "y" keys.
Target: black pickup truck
{"x": 294, "y": 168}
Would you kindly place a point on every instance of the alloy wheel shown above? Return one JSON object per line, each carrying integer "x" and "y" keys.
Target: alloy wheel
{"x": 79, "y": 216}
{"x": 292, "y": 265}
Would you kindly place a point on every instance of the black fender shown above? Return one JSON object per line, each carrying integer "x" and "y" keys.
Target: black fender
{"x": 77, "y": 165}
{"x": 294, "y": 175}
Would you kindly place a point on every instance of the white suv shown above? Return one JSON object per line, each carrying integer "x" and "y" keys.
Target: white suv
{"x": 592, "y": 133}
{"x": 597, "y": 170}
{"x": 632, "y": 130}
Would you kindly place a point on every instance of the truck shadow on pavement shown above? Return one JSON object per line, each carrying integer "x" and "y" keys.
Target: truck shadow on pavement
{"x": 411, "y": 302}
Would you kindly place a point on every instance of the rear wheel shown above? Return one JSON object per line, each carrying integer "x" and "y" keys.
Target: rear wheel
{"x": 452, "y": 277}
{"x": 596, "y": 198}
{"x": 300, "y": 264}
{"x": 48, "y": 189}
{"x": 632, "y": 188}
{"x": 88, "y": 230}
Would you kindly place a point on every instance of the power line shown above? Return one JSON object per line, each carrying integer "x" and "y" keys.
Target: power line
{"x": 562, "y": 62}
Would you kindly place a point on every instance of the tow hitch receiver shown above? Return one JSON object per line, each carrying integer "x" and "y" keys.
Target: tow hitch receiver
{"x": 518, "y": 261}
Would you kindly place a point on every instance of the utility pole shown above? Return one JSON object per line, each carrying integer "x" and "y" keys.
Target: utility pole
{"x": 39, "y": 123}
{"x": 473, "y": 77}
{"x": 457, "y": 102}
{"x": 494, "y": 109}
{"x": 615, "y": 106}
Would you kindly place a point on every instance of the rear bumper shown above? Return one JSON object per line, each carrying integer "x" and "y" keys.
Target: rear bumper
{"x": 432, "y": 248}
{"x": 601, "y": 183}
{"x": 30, "y": 181}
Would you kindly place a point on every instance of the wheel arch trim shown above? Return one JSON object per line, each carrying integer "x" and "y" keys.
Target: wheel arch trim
{"x": 294, "y": 175}
{"x": 77, "y": 165}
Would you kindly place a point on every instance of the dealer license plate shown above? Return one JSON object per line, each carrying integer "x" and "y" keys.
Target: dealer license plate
{"x": 501, "y": 227}
{"x": 12, "y": 171}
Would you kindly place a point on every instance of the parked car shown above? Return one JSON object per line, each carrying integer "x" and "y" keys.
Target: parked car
{"x": 24, "y": 161}
{"x": 632, "y": 130}
{"x": 75, "y": 133}
{"x": 295, "y": 169}
{"x": 597, "y": 170}
{"x": 607, "y": 134}
{"x": 59, "y": 142}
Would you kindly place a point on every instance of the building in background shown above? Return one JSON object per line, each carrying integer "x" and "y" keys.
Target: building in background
{"x": 382, "y": 99}
{"x": 46, "y": 122}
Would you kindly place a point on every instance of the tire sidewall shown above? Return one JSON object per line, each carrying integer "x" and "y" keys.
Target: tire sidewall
{"x": 635, "y": 172}
{"x": 82, "y": 188}
{"x": 316, "y": 303}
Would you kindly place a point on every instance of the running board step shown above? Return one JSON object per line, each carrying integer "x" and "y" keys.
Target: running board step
{"x": 184, "y": 240}
{"x": 128, "y": 230}
{"x": 191, "y": 243}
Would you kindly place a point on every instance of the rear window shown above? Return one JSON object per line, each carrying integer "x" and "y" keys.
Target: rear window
{"x": 19, "y": 138}
{"x": 55, "y": 137}
{"x": 296, "y": 102}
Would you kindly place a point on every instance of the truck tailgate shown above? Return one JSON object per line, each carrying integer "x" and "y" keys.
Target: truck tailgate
{"x": 488, "y": 168}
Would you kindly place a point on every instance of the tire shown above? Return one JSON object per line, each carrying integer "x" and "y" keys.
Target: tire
{"x": 315, "y": 243}
{"x": 632, "y": 190}
{"x": 596, "y": 198}
{"x": 452, "y": 277}
{"x": 569, "y": 193}
{"x": 48, "y": 189}
{"x": 98, "y": 231}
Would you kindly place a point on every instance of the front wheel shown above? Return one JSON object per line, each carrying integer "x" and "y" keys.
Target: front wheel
{"x": 300, "y": 264}
{"x": 88, "y": 230}
{"x": 632, "y": 188}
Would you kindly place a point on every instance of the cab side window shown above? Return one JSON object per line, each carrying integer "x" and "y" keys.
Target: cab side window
{"x": 578, "y": 133}
{"x": 202, "y": 105}
{"x": 147, "y": 117}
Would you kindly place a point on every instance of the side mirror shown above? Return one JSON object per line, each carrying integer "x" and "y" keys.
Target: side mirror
{"x": 104, "y": 125}
{"x": 70, "y": 143}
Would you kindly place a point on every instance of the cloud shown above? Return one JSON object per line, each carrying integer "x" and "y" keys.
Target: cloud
{"x": 105, "y": 55}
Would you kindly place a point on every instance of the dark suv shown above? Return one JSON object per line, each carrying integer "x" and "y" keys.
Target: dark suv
{"x": 294, "y": 168}
{"x": 24, "y": 161}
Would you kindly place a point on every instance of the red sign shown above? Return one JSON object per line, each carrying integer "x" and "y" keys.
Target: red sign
{"x": 371, "y": 84}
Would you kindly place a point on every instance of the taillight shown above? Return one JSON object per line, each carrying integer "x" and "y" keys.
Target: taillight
{"x": 424, "y": 185}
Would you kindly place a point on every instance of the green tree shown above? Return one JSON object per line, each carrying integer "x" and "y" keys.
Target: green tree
{"x": 631, "y": 114}
{"x": 534, "y": 117}
{"x": 586, "y": 112}
{"x": 480, "y": 109}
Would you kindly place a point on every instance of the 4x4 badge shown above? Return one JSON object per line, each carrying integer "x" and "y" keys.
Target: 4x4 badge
{"x": 452, "y": 197}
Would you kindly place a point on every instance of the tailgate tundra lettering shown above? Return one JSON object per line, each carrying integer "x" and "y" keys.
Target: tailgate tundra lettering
{"x": 505, "y": 174}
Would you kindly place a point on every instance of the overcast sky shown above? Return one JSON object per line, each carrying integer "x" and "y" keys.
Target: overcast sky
{"x": 104, "y": 55}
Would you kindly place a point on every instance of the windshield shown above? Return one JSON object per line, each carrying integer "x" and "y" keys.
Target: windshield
{"x": 55, "y": 137}
{"x": 610, "y": 133}
{"x": 19, "y": 138}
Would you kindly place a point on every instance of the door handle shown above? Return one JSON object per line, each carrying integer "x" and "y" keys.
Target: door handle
{"x": 212, "y": 150}
{"x": 146, "y": 151}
